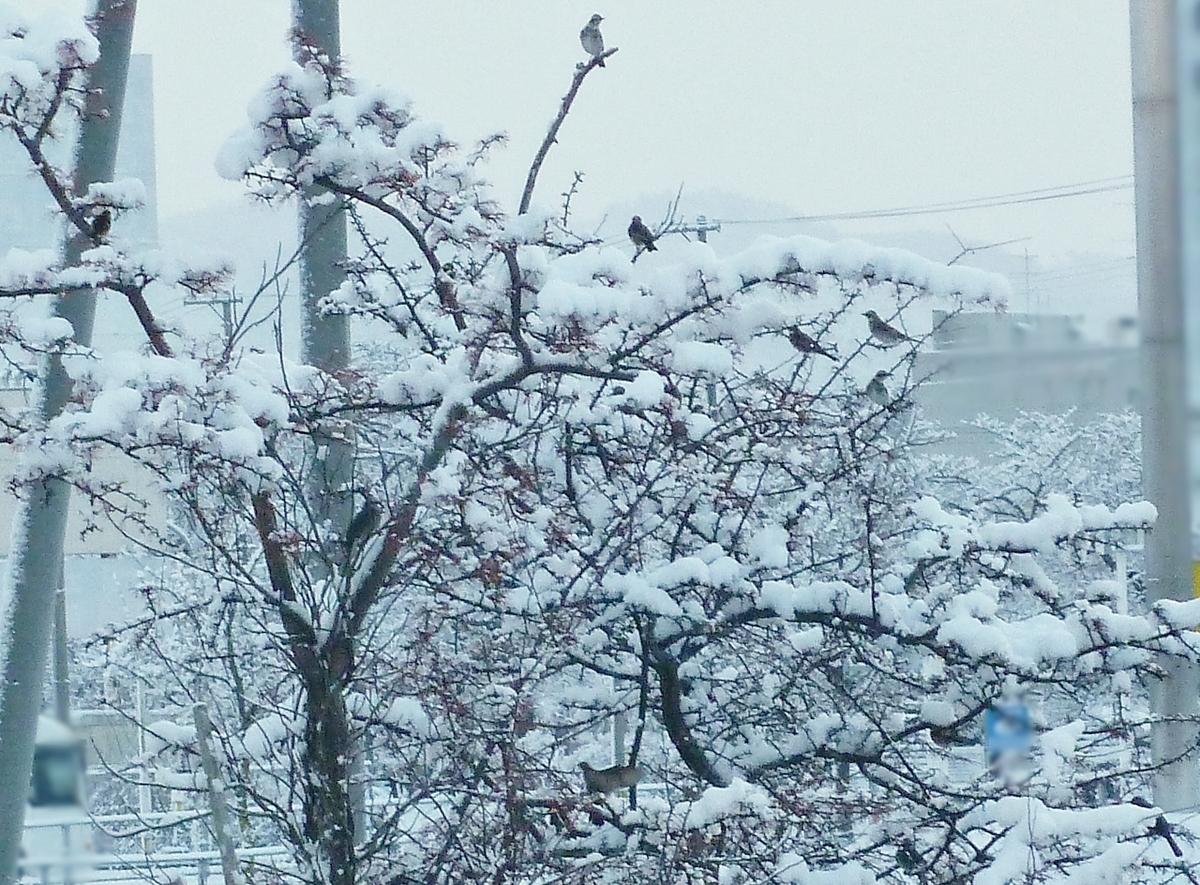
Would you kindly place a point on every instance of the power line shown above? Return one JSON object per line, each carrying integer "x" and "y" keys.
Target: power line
{"x": 1115, "y": 265}
{"x": 1084, "y": 188}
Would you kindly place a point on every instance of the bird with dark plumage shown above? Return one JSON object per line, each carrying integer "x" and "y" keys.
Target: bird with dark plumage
{"x": 609, "y": 780}
{"x": 805, "y": 343}
{"x": 882, "y": 332}
{"x": 877, "y": 391}
{"x": 1162, "y": 828}
{"x": 101, "y": 225}
{"x": 590, "y": 37}
{"x": 641, "y": 236}
{"x": 364, "y": 524}
{"x": 907, "y": 857}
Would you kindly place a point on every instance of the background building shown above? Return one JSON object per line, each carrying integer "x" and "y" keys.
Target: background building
{"x": 101, "y": 567}
{"x": 1001, "y": 364}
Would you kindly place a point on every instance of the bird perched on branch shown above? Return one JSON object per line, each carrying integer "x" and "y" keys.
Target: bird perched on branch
{"x": 364, "y": 524}
{"x": 640, "y": 235}
{"x": 101, "y": 225}
{"x": 609, "y": 780}
{"x": 1162, "y": 828}
{"x": 590, "y": 37}
{"x": 882, "y": 332}
{"x": 805, "y": 343}
{"x": 877, "y": 391}
{"x": 907, "y": 857}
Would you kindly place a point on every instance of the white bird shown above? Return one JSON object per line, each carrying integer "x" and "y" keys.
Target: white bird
{"x": 877, "y": 391}
{"x": 590, "y": 37}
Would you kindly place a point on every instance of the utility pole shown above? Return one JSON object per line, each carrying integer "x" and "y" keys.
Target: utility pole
{"x": 62, "y": 667}
{"x": 36, "y": 562}
{"x": 1027, "y": 310}
{"x": 228, "y": 303}
{"x": 217, "y": 800}
{"x": 325, "y": 338}
{"x": 1156, "y": 163}
{"x": 700, "y": 228}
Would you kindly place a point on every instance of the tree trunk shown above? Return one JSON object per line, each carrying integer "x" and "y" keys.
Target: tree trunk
{"x": 328, "y": 748}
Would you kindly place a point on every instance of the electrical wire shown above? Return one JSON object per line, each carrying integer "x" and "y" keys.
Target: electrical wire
{"x": 1079, "y": 189}
{"x": 1119, "y": 266}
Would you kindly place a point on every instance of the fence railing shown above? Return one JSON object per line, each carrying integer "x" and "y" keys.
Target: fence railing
{"x": 186, "y": 867}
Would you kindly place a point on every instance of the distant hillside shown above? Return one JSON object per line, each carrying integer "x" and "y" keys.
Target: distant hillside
{"x": 1095, "y": 286}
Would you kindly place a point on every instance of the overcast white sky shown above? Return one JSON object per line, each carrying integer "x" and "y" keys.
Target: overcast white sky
{"x": 822, "y": 106}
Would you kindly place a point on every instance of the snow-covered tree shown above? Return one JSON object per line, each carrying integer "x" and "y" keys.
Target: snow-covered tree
{"x": 676, "y": 494}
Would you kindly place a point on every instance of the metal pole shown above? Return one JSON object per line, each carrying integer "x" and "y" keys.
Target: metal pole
{"x": 145, "y": 799}
{"x": 62, "y": 667}
{"x": 701, "y": 229}
{"x": 619, "y": 728}
{"x": 1027, "y": 280}
{"x": 216, "y": 797}
{"x": 1164, "y": 441}
{"x": 41, "y": 521}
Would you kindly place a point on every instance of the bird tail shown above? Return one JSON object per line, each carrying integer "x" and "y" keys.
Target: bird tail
{"x": 650, "y": 247}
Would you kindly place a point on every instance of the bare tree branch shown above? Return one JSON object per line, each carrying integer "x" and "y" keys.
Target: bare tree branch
{"x": 552, "y": 134}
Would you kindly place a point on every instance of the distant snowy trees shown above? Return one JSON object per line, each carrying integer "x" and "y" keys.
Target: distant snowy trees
{"x": 614, "y": 498}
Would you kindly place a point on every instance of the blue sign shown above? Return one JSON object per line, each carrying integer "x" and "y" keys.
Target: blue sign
{"x": 1007, "y": 729}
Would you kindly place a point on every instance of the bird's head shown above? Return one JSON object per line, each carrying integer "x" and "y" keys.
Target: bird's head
{"x": 870, "y": 314}
{"x": 637, "y": 219}
{"x": 882, "y": 374}
{"x": 595, "y": 19}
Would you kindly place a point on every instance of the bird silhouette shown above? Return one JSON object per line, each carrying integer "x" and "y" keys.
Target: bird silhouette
{"x": 641, "y": 236}
{"x": 882, "y": 332}
{"x": 101, "y": 225}
{"x": 1162, "y": 828}
{"x": 877, "y": 391}
{"x": 907, "y": 857}
{"x": 609, "y": 780}
{"x": 805, "y": 343}
{"x": 591, "y": 39}
{"x": 364, "y": 524}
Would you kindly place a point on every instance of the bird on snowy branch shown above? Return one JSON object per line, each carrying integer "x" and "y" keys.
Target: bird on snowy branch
{"x": 591, "y": 38}
{"x": 881, "y": 331}
{"x": 641, "y": 237}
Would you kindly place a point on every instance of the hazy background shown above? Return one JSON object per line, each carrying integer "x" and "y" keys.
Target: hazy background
{"x": 762, "y": 111}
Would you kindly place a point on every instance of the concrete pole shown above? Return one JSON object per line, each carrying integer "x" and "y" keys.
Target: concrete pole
{"x": 1164, "y": 430}
{"x": 36, "y": 561}
{"x": 326, "y": 339}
